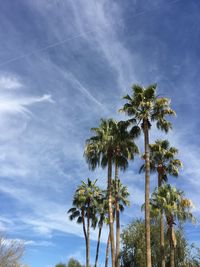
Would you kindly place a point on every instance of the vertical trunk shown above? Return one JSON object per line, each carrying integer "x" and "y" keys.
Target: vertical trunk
{"x": 117, "y": 217}
{"x": 117, "y": 235}
{"x": 98, "y": 243}
{"x": 88, "y": 239}
{"x": 147, "y": 189}
{"x": 172, "y": 249}
{"x": 107, "y": 251}
{"x": 162, "y": 235}
{"x": 110, "y": 211}
{"x": 85, "y": 234}
{"x": 162, "y": 241}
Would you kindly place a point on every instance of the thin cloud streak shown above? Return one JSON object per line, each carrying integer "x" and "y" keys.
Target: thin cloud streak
{"x": 80, "y": 35}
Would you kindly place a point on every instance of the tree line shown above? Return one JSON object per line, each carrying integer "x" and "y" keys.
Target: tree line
{"x": 113, "y": 146}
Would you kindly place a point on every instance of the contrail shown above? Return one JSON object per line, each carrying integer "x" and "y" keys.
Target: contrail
{"x": 47, "y": 47}
{"x": 74, "y": 37}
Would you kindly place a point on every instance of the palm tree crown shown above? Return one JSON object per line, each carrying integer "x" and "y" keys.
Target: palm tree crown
{"x": 163, "y": 159}
{"x": 86, "y": 197}
{"x": 121, "y": 194}
{"x": 172, "y": 203}
{"x": 144, "y": 104}
{"x": 111, "y": 139}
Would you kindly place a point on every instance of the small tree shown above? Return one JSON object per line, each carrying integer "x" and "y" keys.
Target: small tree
{"x": 133, "y": 243}
{"x": 61, "y": 265}
{"x": 74, "y": 263}
{"x": 11, "y": 252}
{"x": 71, "y": 263}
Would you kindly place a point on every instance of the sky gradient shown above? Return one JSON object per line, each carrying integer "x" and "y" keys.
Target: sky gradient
{"x": 64, "y": 64}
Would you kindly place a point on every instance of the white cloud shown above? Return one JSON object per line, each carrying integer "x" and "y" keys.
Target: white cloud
{"x": 9, "y": 82}
{"x": 14, "y": 105}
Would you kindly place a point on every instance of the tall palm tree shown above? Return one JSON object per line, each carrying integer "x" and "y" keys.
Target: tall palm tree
{"x": 99, "y": 151}
{"x": 125, "y": 150}
{"x": 163, "y": 161}
{"x": 145, "y": 107}
{"x": 110, "y": 142}
{"x": 85, "y": 202}
{"x": 171, "y": 202}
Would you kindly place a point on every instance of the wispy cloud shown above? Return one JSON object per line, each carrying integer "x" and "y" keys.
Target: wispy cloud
{"x": 14, "y": 103}
{"x": 82, "y": 56}
{"x": 9, "y": 82}
{"x": 15, "y": 106}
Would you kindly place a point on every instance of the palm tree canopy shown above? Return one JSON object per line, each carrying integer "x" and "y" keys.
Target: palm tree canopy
{"x": 102, "y": 209}
{"x": 172, "y": 203}
{"x": 144, "y": 104}
{"x": 86, "y": 199}
{"x": 120, "y": 195}
{"x": 111, "y": 139}
{"x": 163, "y": 159}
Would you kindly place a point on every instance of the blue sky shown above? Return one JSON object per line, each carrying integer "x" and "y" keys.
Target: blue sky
{"x": 64, "y": 64}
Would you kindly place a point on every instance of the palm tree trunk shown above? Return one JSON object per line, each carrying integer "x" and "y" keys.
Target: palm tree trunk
{"x": 172, "y": 249}
{"x": 162, "y": 241}
{"x": 85, "y": 234}
{"x": 98, "y": 243}
{"x": 117, "y": 217}
{"x": 162, "y": 234}
{"x": 147, "y": 189}
{"x": 88, "y": 239}
{"x": 117, "y": 235}
{"x": 107, "y": 251}
{"x": 110, "y": 211}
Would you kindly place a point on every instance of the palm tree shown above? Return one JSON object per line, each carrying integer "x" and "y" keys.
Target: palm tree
{"x": 85, "y": 202}
{"x": 171, "y": 202}
{"x": 144, "y": 106}
{"x": 99, "y": 151}
{"x": 102, "y": 211}
{"x": 110, "y": 142}
{"x": 125, "y": 151}
{"x": 163, "y": 161}
{"x": 121, "y": 200}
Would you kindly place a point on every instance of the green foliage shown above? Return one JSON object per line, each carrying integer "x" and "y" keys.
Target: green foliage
{"x": 85, "y": 202}
{"x": 74, "y": 263}
{"x": 133, "y": 247}
{"x": 71, "y": 263}
{"x": 163, "y": 160}
{"x": 144, "y": 104}
{"x": 121, "y": 195}
{"x": 61, "y": 265}
{"x": 172, "y": 203}
{"x": 111, "y": 139}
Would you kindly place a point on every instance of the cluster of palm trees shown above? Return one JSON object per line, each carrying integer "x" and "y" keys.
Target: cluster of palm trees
{"x": 113, "y": 146}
